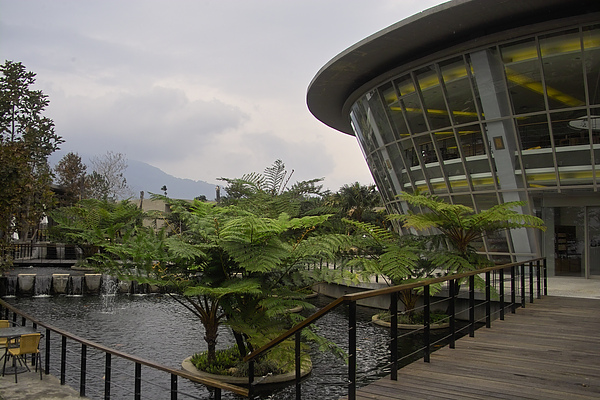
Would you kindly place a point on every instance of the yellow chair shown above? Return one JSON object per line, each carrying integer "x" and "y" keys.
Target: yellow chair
{"x": 4, "y": 323}
{"x": 28, "y": 344}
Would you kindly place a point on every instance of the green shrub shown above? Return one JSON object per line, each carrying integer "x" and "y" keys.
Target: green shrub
{"x": 225, "y": 360}
{"x": 229, "y": 362}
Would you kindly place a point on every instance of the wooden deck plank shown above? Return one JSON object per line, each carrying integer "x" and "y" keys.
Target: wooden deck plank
{"x": 548, "y": 350}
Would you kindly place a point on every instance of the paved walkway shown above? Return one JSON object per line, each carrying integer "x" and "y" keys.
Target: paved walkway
{"x": 30, "y": 387}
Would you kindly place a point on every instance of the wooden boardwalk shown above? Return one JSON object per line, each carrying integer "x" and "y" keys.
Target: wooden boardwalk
{"x": 548, "y": 350}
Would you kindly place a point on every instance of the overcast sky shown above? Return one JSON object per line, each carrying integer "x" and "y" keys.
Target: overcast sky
{"x": 200, "y": 89}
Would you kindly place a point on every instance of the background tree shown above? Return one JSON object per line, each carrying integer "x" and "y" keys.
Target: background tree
{"x": 107, "y": 180}
{"x": 270, "y": 194}
{"x": 70, "y": 173}
{"x": 27, "y": 138}
{"x": 358, "y": 201}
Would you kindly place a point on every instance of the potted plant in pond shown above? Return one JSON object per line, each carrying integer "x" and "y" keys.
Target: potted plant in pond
{"x": 398, "y": 260}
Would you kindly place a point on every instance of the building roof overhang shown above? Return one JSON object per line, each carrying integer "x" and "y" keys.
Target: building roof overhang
{"x": 431, "y": 32}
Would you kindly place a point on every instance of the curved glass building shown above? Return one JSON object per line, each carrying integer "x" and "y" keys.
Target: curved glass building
{"x": 482, "y": 102}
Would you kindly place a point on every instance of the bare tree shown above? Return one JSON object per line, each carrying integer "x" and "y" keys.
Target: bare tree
{"x": 108, "y": 177}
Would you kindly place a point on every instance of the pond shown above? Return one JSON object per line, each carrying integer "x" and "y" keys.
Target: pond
{"x": 157, "y": 328}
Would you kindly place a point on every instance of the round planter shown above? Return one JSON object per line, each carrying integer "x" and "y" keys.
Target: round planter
{"x": 375, "y": 320}
{"x": 296, "y": 309}
{"x": 241, "y": 381}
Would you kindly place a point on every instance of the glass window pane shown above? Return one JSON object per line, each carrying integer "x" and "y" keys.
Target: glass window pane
{"x": 425, "y": 148}
{"x": 364, "y": 131}
{"x": 410, "y": 156}
{"x": 496, "y": 242}
{"x": 595, "y": 124}
{"x": 570, "y": 128}
{"x": 522, "y": 68}
{"x": 471, "y": 140}
{"x": 458, "y": 89}
{"x": 395, "y": 157}
{"x": 591, "y": 46}
{"x": 380, "y": 169}
{"x": 563, "y": 72}
{"x": 379, "y": 118}
{"x": 485, "y": 201}
{"x": 446, "y": 144}
{"x": 464, "y": 199}
{"x": 410, "y": 101}
{"x": 433, "y": 98}
{"x": 534, "y": 132}
{"x": 395, "y": 111}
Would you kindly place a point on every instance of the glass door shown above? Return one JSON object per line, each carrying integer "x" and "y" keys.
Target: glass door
{"x": 569, "y": 241}
{"x": 593, "y": 223}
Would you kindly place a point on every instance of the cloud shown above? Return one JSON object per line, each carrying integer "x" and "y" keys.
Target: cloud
{"x": 200, "y": 89}
{"x": 153, "y": 126}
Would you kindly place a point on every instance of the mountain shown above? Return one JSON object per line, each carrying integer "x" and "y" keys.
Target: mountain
{"x": 141, "y": 176}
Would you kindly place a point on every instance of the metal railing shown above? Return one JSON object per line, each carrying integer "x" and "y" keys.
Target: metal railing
{"x": 522, "y": 280}
{"x": 45, "y": 253}
{"x": 505, "y": 288}
{"x": 67, "y": 339}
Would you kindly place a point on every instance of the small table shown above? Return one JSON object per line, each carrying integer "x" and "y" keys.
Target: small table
{"x": 12, "y": 333}
{"x": 16, "y": 331}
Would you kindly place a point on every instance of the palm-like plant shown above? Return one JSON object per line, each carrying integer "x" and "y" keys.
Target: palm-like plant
{"x": 460, "y": 225}
{"x": 225, "y": 264}
{"x": 398, "y": 259}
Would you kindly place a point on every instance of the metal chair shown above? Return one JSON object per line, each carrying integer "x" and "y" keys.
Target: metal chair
{"x": 28, "y": 344}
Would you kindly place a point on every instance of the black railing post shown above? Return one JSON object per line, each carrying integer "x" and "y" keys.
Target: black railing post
{"x": 523, "y": 285}
{"x": 488, "y": 300}
{"x": 426, "y": 323}
{"x": 107, "y": 368}
{"x": 513, "y": 290}
{"x": 352, "y": 351}
{"x": 63, "y": 361}
{"x": 251, "y": 379}
{"x": 173, "y": 387}
{"x": 83, "y": 370}
{"x": 394, "y": 335}
{"x": 452, "y": 312}
{"x": 501, "y": 277}
{"x": 298, "y": 365}
{"x": 137, "y": 393}
{"x": 472, "y": 306}
{"x": 531, "y": 281}
{"x": 47, "y": 358}
{"x": 217, "y": 394}
{"x": 545, "y": 277}
{"x": 538, "y": 275}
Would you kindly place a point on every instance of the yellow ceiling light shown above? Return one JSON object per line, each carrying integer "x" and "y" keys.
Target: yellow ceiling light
{"x": 436, "y": 112}
{"x": 537, "y": 87}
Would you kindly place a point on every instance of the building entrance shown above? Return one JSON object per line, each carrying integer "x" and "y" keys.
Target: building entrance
{"x": 576, "y": 241}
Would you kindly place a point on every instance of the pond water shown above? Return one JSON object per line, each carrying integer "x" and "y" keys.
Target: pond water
{"x": 157, "y": 328}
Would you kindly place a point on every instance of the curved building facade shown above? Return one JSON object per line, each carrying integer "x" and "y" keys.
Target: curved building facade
{"x": 483, "y": 102}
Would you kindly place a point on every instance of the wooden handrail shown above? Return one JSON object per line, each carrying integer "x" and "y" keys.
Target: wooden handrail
{"x": 374, "y": 293}
{"x": 205, "y": 381}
